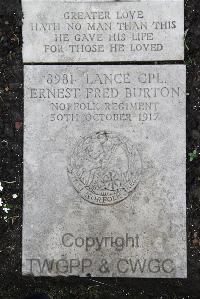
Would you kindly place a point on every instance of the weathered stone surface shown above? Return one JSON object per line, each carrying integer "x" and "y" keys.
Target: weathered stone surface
{"x": 79, "y": 1}
{"x": 104, "y": 171}
{"x": 85, "y": 32}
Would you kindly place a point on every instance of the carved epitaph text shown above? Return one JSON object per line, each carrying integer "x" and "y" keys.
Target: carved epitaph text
{"x": 91, "y": 32}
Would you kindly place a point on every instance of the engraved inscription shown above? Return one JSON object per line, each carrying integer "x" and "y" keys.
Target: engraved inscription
{"x": 80, "y": 32}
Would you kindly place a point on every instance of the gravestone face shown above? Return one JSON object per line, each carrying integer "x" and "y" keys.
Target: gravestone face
{"x": 104, "y": 171}
{"x": 91, "y": 32}
{"x": 80, "y": 1}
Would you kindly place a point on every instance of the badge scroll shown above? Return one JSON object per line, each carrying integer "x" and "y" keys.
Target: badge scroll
{"x": 105, "y": 167}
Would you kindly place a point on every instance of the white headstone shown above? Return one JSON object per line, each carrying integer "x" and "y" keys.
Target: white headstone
{"x": 54, "y": 31}
{"x": 73, "y": 1}
{"x": 104, "y": 171}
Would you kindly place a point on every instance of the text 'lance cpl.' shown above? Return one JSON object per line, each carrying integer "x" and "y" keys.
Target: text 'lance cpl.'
{"x": 103, "y": 15}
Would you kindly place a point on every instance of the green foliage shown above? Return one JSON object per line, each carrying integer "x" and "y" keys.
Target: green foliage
{"x": 193, "y": 155}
